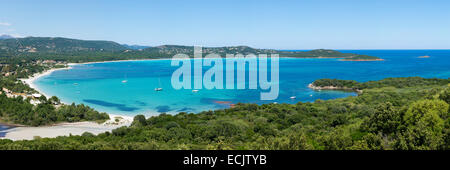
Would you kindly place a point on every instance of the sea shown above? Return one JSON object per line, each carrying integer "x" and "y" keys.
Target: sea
{"x": 128, "y": 87}
{"x": 3, "y": 129}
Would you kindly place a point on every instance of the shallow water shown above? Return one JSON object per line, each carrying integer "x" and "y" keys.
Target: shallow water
{"x": 3, "y": 128}
{"x": 100, "y": 85}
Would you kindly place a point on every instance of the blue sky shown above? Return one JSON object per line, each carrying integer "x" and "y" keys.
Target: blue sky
{"x": 308, "y": 24}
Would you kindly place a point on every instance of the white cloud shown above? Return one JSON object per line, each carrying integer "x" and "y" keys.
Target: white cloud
{"x": 5, "y": 24}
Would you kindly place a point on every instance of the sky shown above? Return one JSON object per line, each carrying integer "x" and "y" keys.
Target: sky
{"x": 300, "y": 24}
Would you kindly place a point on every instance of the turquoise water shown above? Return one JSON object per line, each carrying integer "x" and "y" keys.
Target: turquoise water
{"x": 100, "y": 85}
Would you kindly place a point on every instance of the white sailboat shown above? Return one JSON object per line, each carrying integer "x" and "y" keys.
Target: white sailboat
{"x": 293, "y": 96}
{"x": 125, "y": 81}
{"x": 159, "y": 85}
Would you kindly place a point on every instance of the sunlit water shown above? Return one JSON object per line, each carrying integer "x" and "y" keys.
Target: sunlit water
{"x": 102, "y": 86}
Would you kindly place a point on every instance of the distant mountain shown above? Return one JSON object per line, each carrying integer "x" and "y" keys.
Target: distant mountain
{"x": 135, "y": 47}
{"x": 108, "y": 50}
{"x": 189, "y": 50}
{"x": 57, "y": 45}
{"x": 222, "y": 51}
{"x": 4, "y": 36}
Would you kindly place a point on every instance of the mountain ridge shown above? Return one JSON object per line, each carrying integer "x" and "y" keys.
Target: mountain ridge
{"x": 5, "y": 36}
{"x": 69, "y": 47}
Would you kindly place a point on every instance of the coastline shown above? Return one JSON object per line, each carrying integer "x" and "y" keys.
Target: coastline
{"x": 380, "y": 59}
{"x": 60, "y": 129}
{"x": 113, "y": 61}
{"x": 311, "y": 86}
{"x": 22, "y": 132}
{"x": 30, "y": 80}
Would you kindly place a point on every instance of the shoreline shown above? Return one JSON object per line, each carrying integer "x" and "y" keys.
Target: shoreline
{"x": 380, "y": 59}
{"x": 60, "y": 129}
{"x": 23, "y": 132}
{"x": 30, "y": 80}
{"x": 311, "y": 86}
{"x": 113, "y": 61}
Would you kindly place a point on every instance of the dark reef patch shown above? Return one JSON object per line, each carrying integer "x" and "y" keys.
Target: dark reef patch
{"x": 141, "y": 103}
{"x": 121, "y": 107}
{"x": 185, "y": 109}
{"x": 162, "y": 109}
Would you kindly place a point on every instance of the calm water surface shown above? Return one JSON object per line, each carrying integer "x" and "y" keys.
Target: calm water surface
{"x": 100, "y": 85}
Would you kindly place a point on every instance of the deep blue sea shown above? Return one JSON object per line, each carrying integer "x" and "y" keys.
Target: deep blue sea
{"x": 100, "y": 85}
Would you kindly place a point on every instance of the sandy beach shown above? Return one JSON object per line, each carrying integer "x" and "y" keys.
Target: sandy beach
{"x": 65, "y": 129}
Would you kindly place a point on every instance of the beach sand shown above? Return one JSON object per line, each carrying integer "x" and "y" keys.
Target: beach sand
{"x": 65, "y": 129}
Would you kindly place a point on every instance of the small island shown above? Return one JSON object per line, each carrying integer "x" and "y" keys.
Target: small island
{"x": 425, "y": 56}
{"x": 362, "y": 58}
{"x": 335, "y": 84}
{"x": 324, "y": 53}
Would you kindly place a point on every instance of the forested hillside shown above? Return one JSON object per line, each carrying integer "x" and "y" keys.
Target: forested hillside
{"x": 72, "y": 50}
{"x": 56, "y": 45}
{"x": 395, "y": 113}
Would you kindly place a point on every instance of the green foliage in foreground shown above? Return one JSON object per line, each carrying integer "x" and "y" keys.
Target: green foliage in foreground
{"x": 410, "y": 118}
{"x": 20, "y": 111}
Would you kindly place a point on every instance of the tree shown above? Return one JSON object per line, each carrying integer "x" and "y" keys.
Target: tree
{"x": 385, "y": 119}
{"x": 54, "y": 100}
{"x": 139, "y": 120}
{"x": 425, "y": 125}
{"x": 445, "y": 96}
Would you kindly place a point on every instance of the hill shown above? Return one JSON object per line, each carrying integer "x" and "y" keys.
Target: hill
{"x": 319, "y": 53}
{"x": 4, "y": 36}
{"x": 57, "y": 45}
{"x": 83, "y": 50}
{"x": 135, "y": 47}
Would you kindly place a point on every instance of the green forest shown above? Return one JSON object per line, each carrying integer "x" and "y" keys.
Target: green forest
{"x": 390, "y": 114}
{"x": 20, "y": 111}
